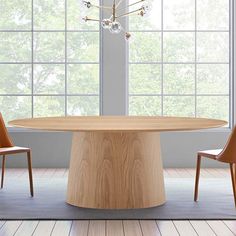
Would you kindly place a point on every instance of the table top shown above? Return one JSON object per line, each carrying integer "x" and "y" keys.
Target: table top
{"x": 117, "y": 123}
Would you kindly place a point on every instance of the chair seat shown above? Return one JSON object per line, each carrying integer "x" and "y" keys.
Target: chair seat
{"x": 12, "y": 150}
{"x": 210, "y": 153}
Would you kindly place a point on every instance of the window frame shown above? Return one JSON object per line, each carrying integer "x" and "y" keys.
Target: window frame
{"x": 65, "y": 95}
{"x": 230, "y": 63}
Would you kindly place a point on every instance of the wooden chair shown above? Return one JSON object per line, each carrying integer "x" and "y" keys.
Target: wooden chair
{"x": 7, "y": 147}
{"x": 226, "y": 155}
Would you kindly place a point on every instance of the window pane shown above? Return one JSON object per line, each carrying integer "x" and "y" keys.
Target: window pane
{"x": 15, "y": 14}
{"x": 75, "y": 13}
{"x": 213, "y": 14}
{"x": 213, "y": 106}
{"x": 213, "y": 47}
{"x": 15, "y": 107}
{"x": 83, "y": 79}
{"x": 49, "y": 14}
{"x": 49, "y": 47}
{"x": 179, "y": 79}
{"x": 179, "y": 15}
{"x": 15, "y": 79}
{"x": 145, "y": 79}
{"x": 49, "y": 79}
{"x": 83, "y": 47}
{"x": 146, "y": 47}
{"x": 151, "y": 22}
{"x": 213, "y": 79}
{"x": 86, "y": 105}
{"x": 179, "y": 106}
{"x": 49, "y": 106}
{"x": 149, "y": 105}
{"x": 15, "y": 47}
{"x": 178, "y": 47}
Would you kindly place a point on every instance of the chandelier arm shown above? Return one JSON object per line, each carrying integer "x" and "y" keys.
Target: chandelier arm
{"x": 90, "y": 19}
{"x": 131, "y": 5}
{"x": 129, "y": 13}
{"x": 102, "y": 7}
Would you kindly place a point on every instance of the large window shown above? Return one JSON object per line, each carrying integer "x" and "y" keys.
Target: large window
{"x": 179, "y": 60}
{"x": 49, "y": 60}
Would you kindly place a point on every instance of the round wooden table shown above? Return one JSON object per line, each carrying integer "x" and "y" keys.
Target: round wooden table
{"x": 116, "y": 160}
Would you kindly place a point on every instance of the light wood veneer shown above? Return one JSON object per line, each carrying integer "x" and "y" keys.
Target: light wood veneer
{"x": 117, "y": 123}
{"x": 116, "y": 170}
{"x": 116, "y": 160}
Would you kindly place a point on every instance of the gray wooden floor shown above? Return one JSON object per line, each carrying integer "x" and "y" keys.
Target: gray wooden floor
{"x": 118, "y": 228}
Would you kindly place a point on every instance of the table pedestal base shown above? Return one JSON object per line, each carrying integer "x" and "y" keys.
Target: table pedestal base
{"x": 116, "y": 170}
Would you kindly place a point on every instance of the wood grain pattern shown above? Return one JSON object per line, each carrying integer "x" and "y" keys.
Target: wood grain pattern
{"x": 132, "y": 228}
{"x": 120, "y": 170}
{"x": 202, "y": 228}
{"x": 62, "y": 228}
{"x": 167, "y": 228}
{"x": 184, "y": 228}
{"x": 114, "y": 228}
{"x": 27, "y": 228}
{"x": 44, "y": 228}
{"x": 10, "y": 228}
{"x": 79, "y": 228}
{"x": 97, "y": 228}
{"x": 117, "y": 123}
{"x": 149, "y": 227}
{"x": 220, "y": 228}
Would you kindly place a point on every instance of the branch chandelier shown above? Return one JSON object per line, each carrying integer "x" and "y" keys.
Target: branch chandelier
{"x": 117, "y": 12}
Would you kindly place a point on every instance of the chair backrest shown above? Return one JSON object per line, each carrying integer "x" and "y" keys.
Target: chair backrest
{"x": 228, "y": 153}
{"x": 5, "y": 140}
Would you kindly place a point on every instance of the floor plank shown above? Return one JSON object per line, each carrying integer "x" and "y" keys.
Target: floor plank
{"x": 219, "y": 228}
{"x": 202, "y": 228}
{"x": 149, "y": 228}
{"x": 231, "y": 224}
{"x": 184, "y": 227}
{"x": 2, "y": 222}
{"x": 44, "y": 228}
{"x": 114, "y": 228}
{"x": 79, "y": 228}
{"x": 27, "y": 228}
{"x": 97, "y": 228}
{"x": 132, "y": 228}
{"x": 167, "y": 228}
{"x": 62, "y": 228}
{"x": 10, "y": 228}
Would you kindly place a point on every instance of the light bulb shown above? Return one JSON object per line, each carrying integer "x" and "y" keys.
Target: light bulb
{"x": 86, "y": 4}
{"x": 84, "y": 9}
{"x": 106, "y": 23}
{"x": 146, "y": 8}
{"x": 115, "y": 27}
{"x": 127, "y": 36}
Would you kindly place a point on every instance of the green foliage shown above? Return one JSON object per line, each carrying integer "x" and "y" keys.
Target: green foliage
{"x": 145, "y": 105}
{"x": 15, "y": 47}
{"x": 146, "y": 47}
{"x": 209, "y": 94}
{"x": 179, "y": 47}
{"x": 83, "y": 79}
{"x": 15, "y": 14}
{"x": 83, "y": 47}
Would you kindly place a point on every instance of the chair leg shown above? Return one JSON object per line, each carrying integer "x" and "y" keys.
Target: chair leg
{"x": 233, "y": 181}
{"x": 197, "y": 177}
{"x": 30, "y": 173}
{"x": 3, "y": 170}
